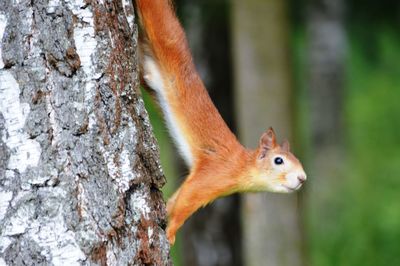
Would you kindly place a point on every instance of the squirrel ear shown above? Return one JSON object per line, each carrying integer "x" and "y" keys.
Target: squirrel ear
{"x": 267, "y": 142}
{"x": 285, "y": 145}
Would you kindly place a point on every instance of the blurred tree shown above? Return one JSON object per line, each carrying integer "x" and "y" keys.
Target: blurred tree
{"x": 79, "y": 170}
{"x": 326, "y": 55}
{"x": 212, "y": 235}
{"x": 326, "y": 50}
{"x": 271, "y": 222}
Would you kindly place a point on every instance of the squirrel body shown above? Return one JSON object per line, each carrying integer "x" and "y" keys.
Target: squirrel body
{"x": 219, "y": 164}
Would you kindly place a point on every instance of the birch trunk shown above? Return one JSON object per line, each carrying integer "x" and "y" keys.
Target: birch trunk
{"x": 271, "y": 222}
{"x": 79, "y": 169}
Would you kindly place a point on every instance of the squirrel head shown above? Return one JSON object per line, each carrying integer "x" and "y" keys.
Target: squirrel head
{"x": 277, "y": 169}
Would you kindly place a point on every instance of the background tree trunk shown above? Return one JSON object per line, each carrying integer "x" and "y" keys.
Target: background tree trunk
{"x": 212, "y": 236}
{"x": 79, "y": 170}
{"x": 326, "y": 60}
{"x": 271, "y": 222}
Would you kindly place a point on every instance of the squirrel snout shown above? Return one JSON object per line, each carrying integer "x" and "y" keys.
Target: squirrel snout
{"x": 302, "y": 178}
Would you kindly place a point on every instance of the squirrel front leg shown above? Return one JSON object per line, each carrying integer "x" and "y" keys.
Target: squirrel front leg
{"x": 183, "y": 203}
{"x": 199, "y": 189}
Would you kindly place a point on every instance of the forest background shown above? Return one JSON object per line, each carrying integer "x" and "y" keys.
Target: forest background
{"x": 344, "y": 71}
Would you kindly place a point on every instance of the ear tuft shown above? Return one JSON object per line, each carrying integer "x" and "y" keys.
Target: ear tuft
{"x": 267, "y": 142}
{"x": 285, "y": 145}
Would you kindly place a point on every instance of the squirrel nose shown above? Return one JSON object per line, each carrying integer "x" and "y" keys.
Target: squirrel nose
{"x": 302, "y": 178}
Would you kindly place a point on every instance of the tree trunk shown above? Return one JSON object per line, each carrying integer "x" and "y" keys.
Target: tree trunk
{"x": 79, "y": 170}
{"x": 271, "y": 222}
{"x": 326, "y": 60}
{"x": 327, "y": 45}
{"x": 212, "y": 235}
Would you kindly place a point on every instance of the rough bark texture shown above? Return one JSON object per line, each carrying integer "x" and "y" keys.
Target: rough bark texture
{"x": 79, "y": 170}
{"x": 212, "y": 236}
{"x": 271, "y": 222}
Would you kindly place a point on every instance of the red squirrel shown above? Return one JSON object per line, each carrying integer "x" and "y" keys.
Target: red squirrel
{"x": 219, "y": 164}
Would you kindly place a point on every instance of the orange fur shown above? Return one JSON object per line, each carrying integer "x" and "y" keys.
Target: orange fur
{"x": 220, "y": 165}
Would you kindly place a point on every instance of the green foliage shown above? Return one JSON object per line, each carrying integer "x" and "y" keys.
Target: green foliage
{"x": 373, "y": 118}
{"x": 364, "y": 225}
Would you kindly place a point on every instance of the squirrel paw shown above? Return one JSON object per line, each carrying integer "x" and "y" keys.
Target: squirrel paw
{"x": 171, "y": 237}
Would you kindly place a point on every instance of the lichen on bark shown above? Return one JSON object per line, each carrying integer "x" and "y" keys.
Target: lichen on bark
{"x": 79, "y": 169}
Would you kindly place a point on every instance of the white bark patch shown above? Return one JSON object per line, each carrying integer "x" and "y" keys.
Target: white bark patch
{"x": 51, "y": 6}
{"x": 150, "y": 232}
{"x": 49, "y": 232}
{"x": 126, "y": 169}
{"x": 4, "y": 243}
{"x": 21, "y": 194}
{"x": 140, "y": 206}
{"x": 121, "y": 173}
{"x": 3, "y": 23}
{"x": 5, "y": 197}
{"x": 111, "y": 166}
{"x": 2, "y": 262}
{"x": 110, "y": 255}
{"x": 58, "y": 243}
{"x": 24, "y": 151}
{"x": 9, "y": 176}
{"x": 20, "y": 221}
{"x": 127, "y": 5}
{"x": 85, "y": 42}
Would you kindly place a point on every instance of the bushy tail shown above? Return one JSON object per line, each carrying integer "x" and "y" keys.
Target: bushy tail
{"x": 164, "y": 45}
{"x": 194, "y": 122}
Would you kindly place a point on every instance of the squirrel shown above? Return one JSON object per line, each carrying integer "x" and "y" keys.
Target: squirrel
{"x": 219, "y": 164}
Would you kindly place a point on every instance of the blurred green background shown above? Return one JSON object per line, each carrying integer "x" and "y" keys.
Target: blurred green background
{"x": 353, "y": 218}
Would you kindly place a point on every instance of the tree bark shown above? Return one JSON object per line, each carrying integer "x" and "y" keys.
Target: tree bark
{"x": 212, "y": 235}
{"x": 79, "y": 169}
{"x": 271, "y": 222}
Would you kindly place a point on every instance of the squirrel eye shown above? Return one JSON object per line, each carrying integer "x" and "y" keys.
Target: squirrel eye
{"x": 278, "y": 161}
